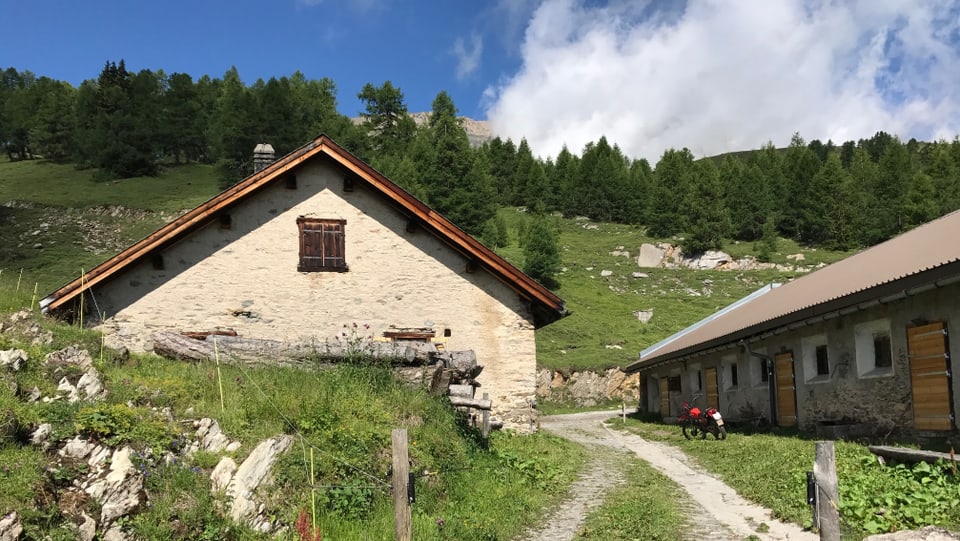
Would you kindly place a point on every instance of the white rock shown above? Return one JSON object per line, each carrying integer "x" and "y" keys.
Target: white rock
{"x": 606, "y": 273}
{"x": 34, "y": 394}
{"x": 650, "y": 255}
{"x": 211, "y": 437}
{"x": 67, "y": 388}
{"x": 234, "y": 446}
{"x": 41, "y": 434}
{"x": 222, "y": 474}
{"x": 77, "y": 448}
{"x": 644, "y": 315}
{"x": 120, "y": 492}
{"x": 10, "y": 527}
{"x": 88, "y": 530}
{"x": 89, "y": 385}
{"x": 640, "y": 275}
{"x": 13, "y": 359}
{"x": 251, "y": 473}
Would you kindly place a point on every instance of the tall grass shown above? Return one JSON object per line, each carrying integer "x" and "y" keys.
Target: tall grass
{"x": 770, "y": 469}
{"x": 466, "y": 489}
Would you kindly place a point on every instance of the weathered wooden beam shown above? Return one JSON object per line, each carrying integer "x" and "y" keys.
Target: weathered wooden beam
{"x": 176, "y": 346}
{"x": 911, "y": 455}
{"x": 462, "y": 391}
{"x": 471, "y": 403}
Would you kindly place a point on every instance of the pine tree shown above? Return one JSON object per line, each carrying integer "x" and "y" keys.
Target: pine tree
{"x": 541, "y": 251}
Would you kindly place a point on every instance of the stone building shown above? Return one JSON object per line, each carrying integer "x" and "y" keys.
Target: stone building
{"x": 864, "y": 342}
{"x": 307, "y": 244}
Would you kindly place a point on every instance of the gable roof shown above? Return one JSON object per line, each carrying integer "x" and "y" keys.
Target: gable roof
{"x": 546, "y": 306}
{"x": 925, "y": 257}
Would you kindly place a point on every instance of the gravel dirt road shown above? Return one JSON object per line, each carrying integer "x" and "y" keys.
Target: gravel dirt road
{"x": 723, "y": 514}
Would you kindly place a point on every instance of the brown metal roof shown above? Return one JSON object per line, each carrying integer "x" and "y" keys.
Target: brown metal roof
{"x": 927, "y": 253}
{"x": 546, "y": 305}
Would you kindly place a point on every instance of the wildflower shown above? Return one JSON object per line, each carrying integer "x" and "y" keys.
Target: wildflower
{"x": 440, "y": 522}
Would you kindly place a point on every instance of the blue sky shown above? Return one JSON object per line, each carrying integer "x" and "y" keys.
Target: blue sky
{"x": 413, "y": 44}
{"x": 710, "y": 75}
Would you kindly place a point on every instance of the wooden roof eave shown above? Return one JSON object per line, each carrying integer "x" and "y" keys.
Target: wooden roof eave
{"x": 457, "y": 238}
{"x": 861, "y": 300}
{"x": 460, "y": 240}
{"x": 182, "y": 225}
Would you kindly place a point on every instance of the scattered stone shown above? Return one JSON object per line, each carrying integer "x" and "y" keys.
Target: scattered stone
{"x": 650, "y": 255}
{"x": 120, "y": 492}
{"x": 89, "y": 386}
{"x": 613, "y": 346}
{"x": 605, "y": 273}
{"x": 13, "y": 359}
{"x": 41, "y": 436}
{"x": 222, "y": 474}
{"x": 587, "y": 387}
{"x": 10, "y": 527}
{"x": 233, "y": 447}
{"x": 67, "y": 388}
{"x": 796, "y": 257}
{"x": 87, "y": 530}
{"x": 644, "y": 315}
{"x": 927, "y": 533}
{"x": 71, "y": 355}
{"x": 211, "y": 437}
{"x": 34, "y": 394}
{"x": 250, "y": 475}
{"x": 20, "y": 316}
{"x": 640, "y": 275}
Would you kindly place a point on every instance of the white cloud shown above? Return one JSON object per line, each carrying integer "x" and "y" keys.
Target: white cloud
{"x": 732, "y": 74}
{"x": 468, "y": 55}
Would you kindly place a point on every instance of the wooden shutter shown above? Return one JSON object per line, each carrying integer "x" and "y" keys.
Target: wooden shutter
{"x": 930, "y": 377}
{"x": 322, "y": 245}
{"x": 713, "y": 390}
{"x": 786, "y": 390}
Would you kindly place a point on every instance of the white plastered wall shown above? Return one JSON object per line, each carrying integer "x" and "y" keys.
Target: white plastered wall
{"x": 245, "y": 278}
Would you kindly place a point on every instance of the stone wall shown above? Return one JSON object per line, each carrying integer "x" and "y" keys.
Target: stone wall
{"x": 586, "y": 388}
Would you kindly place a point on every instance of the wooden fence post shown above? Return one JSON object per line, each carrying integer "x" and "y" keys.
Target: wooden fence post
{"x": 402, "y": 523}
{"x": 825, "y": 474}
{"x": 485, "y": 428}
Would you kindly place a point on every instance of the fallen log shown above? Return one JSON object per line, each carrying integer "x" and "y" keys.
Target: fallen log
{"x": 462, "y": 391}
{"x": 462, "y": 363}
{"x": 254, "y": 350}
{"x": 904, "y": 454}
{"x": 471, "y": 403}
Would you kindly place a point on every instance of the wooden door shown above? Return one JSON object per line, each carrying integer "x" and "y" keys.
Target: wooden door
{"x": 664, "y": 397}
{"x": 930, "y": 377}
{"x": 786, "y": 390}
{"x": 713, "y": 391}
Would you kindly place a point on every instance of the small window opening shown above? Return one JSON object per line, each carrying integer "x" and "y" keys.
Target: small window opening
{"x": 226, "y": 221}
{"x": 734, "y": 376}
{"x": 673, "y": 384}
{"x": 411, "y": 225}
{"x": 823, "y": 364}
{"x": 291, "y": 182}
{"x": 322, "y": 245}
{"x": 764, "y": 376}
{"x": 881, "y": 350}
{"x": 348, "y": 184}
{"x": 446, "y": 333}
{"x": 472, "y": 265}
{"x": 157, "y": 261}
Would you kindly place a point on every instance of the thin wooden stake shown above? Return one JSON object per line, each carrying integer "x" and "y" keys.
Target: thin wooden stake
{"x": 313, "y": 495}
{"x": 18, "y": 280}
{"x": 216, "y": 356}
{"x": 486, "y": 419}
{"x": 33, "y": 300}
{"x": 623, "y": 411}
{"x": 81, "y": 296}
{"x": 402, "y": 523}
{"x": 827, "y": 508}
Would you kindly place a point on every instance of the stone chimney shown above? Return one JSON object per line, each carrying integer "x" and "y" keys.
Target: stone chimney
{"x": 262, "y": 157}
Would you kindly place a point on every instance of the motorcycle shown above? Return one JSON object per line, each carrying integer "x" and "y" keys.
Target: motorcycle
{"x": 695, "y": 422}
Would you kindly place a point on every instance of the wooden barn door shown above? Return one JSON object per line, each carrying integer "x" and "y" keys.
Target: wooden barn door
{"x": 713, "y": 392}
{"x": 786, "y": 390}
{"x": 930, "y": 377}
{"x": 664, "y": 396}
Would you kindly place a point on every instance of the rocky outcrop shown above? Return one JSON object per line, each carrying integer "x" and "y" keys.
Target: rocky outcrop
{"x": 666, "y": 255}
{"x": 10, "y": 527}
{"x": 586, "y": 388}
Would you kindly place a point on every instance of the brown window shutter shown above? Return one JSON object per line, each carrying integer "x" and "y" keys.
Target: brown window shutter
{"x": 322, "y": 245}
